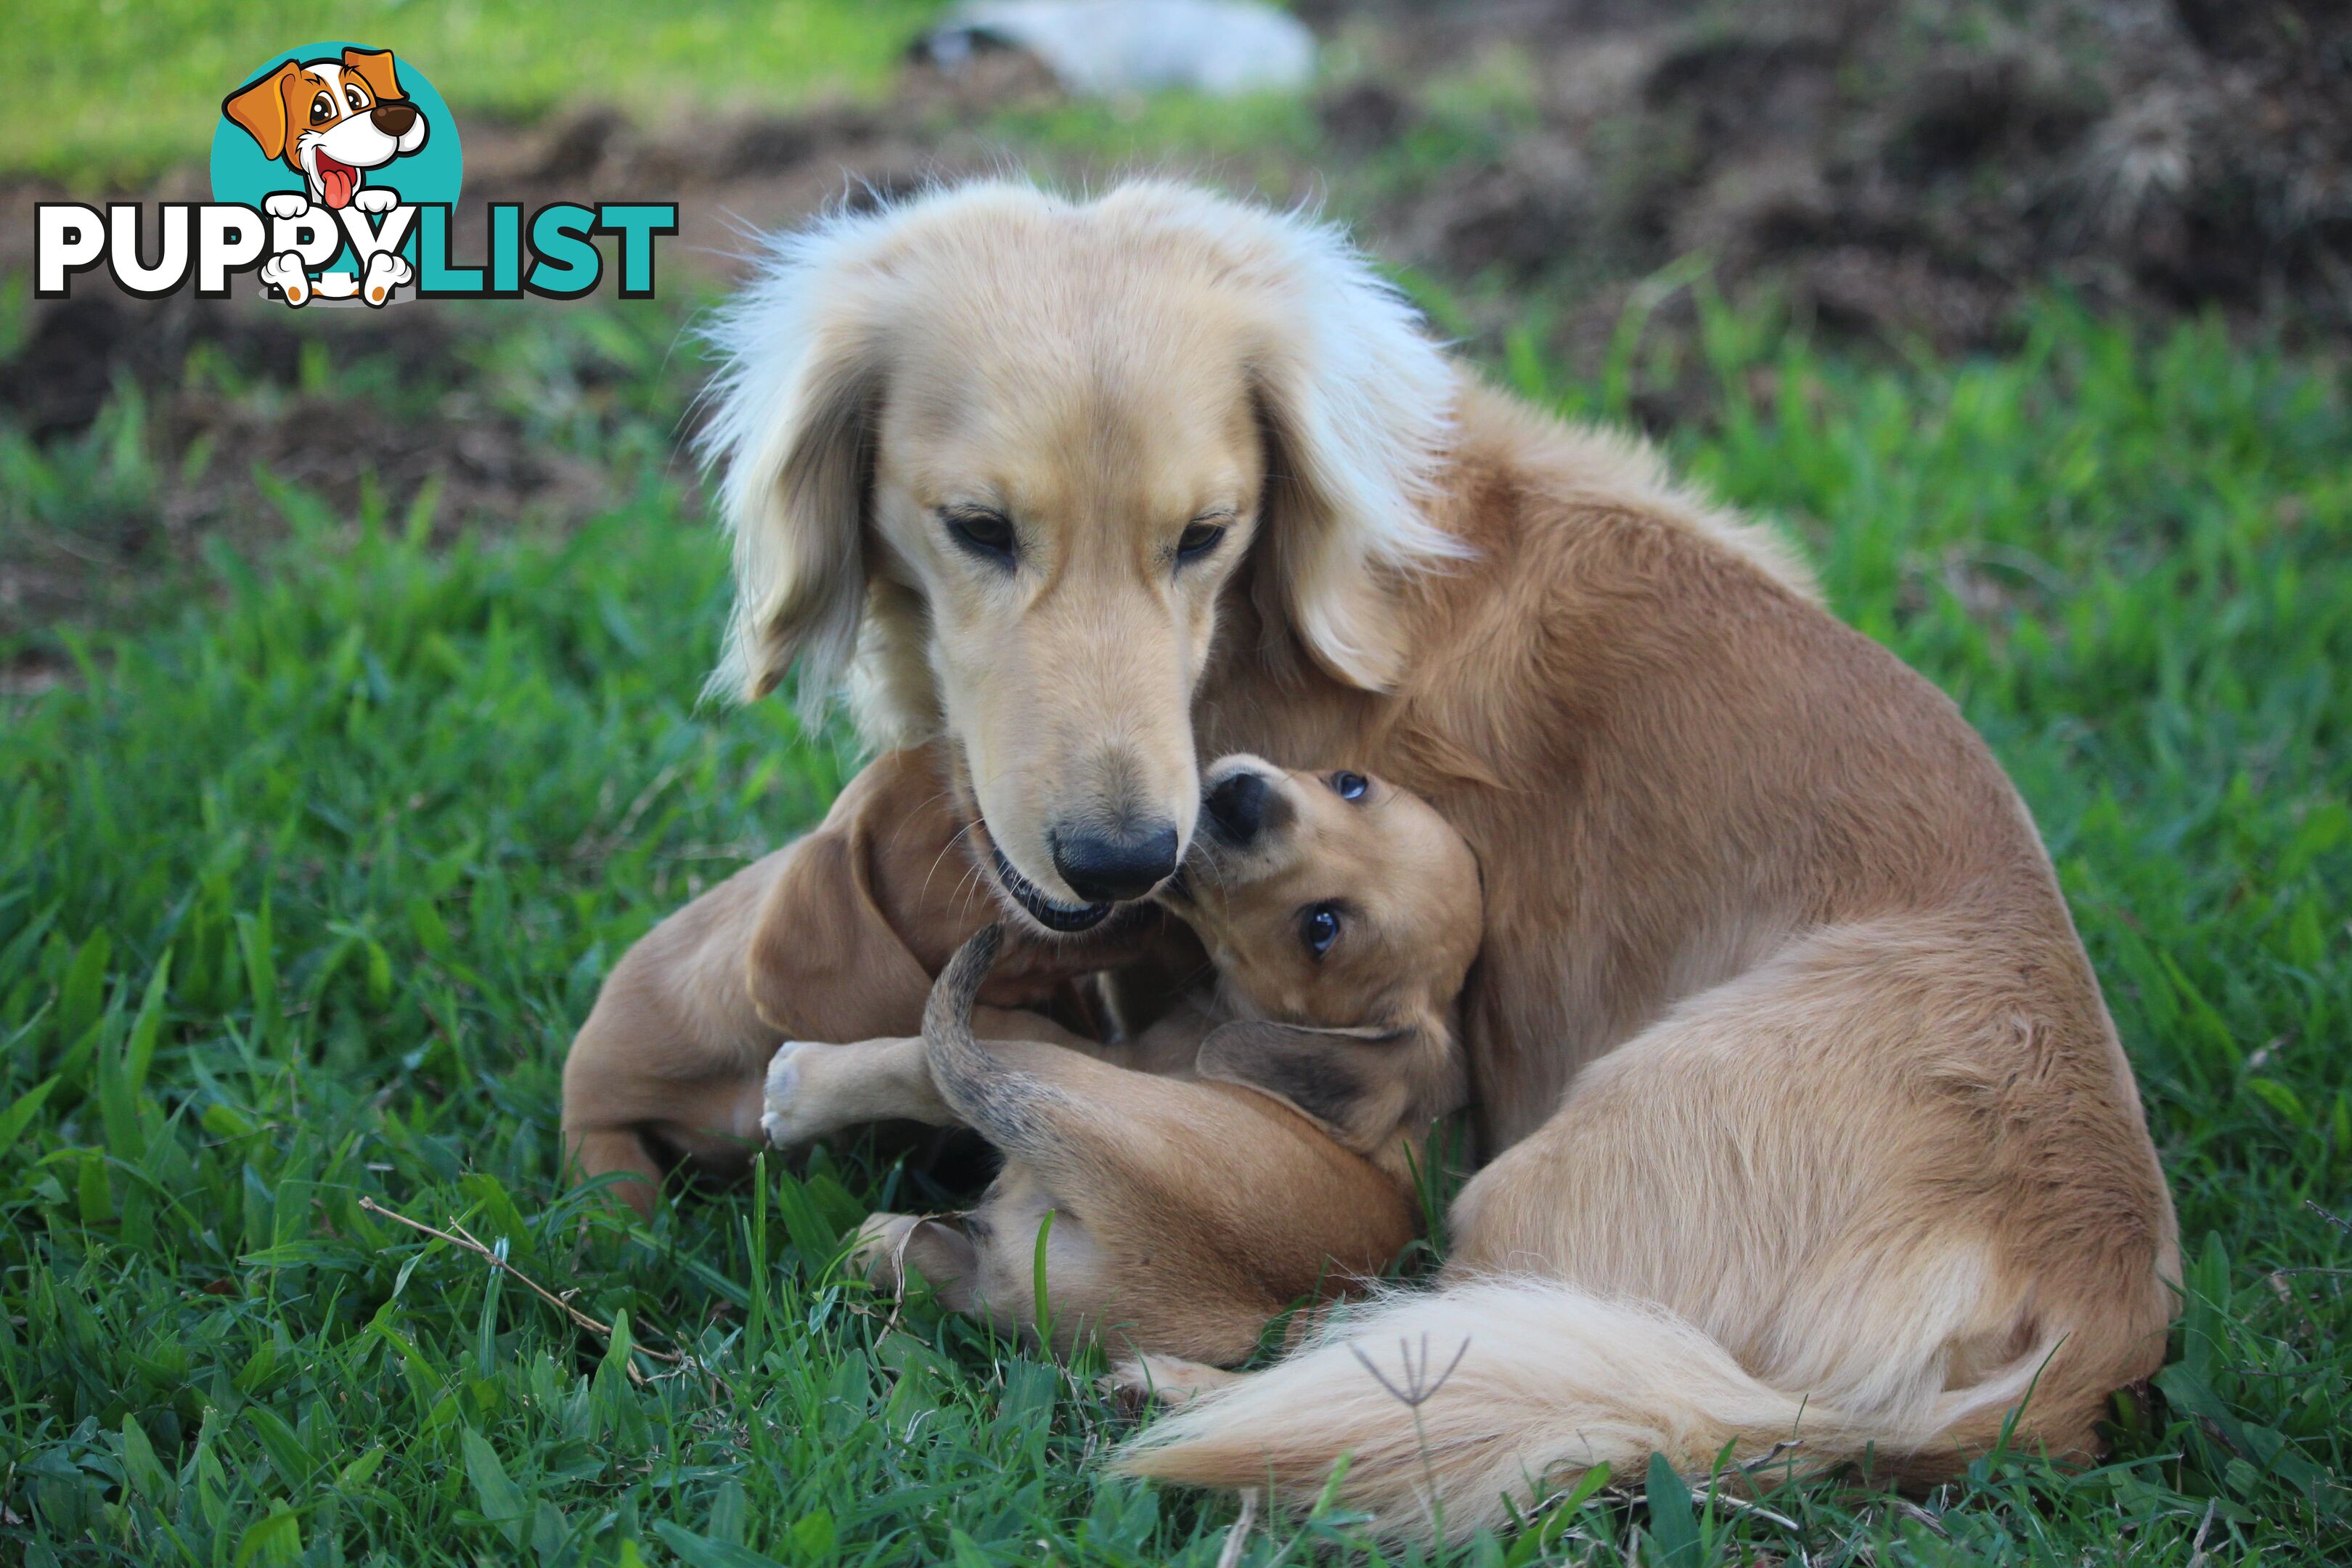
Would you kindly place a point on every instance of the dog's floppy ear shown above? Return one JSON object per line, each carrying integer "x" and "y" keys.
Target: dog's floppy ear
{"x": 1362, "y": 1086}
{"x": 375, "y": 68}
{"x": 259, "y": 109}
{"x": 790, "y": 435}
{"x": 1357, "y": 404}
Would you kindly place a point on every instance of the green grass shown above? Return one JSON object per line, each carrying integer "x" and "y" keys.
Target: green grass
{"x": 306, "y": 880}
{"x": 95, "y": 99}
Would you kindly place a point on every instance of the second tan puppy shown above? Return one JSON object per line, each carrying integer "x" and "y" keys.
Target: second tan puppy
{"x": 1269, "y": 1157}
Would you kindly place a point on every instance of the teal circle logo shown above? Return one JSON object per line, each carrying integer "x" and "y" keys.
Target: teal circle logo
{"x": 349, "y": 130}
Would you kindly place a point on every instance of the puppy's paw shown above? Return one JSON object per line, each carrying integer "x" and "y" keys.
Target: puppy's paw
{"x": 1166, "y": 1380}
{"x": 284, "y": 273}
{"x": 375, "y": 198}
{"x": 386, "y": 270}
{"x": 285, "y": 203}
{"x": 880, "y": 1253}
{"x": 785, "y": 1113}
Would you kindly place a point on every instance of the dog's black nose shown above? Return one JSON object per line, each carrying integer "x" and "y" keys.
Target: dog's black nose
{"x": 393, "y": 119}
{"x": 1101, "y": 867}
{"x": 1237, "y": 805}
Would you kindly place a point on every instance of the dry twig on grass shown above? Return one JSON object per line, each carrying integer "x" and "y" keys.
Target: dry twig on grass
{"x": 458, "y": 1237}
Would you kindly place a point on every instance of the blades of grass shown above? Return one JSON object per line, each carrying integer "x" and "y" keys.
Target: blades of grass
{"x": 502, "y": 1502}
{"x": 1040, "y": 1281}
{"x": 1674, "y": 1519}
{"x": 701, "y": 1552}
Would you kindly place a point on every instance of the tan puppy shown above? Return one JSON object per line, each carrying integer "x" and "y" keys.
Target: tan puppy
{"x": 1807, "y": 1113}
{"x": 834, "y": 938}
{"x": 1274, "y": 1162}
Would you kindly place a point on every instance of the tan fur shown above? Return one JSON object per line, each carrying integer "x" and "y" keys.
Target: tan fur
{"x": 1782, "y": 1031}
{"x": 836, "y": 936}
{"x": 1162, "y": 1237}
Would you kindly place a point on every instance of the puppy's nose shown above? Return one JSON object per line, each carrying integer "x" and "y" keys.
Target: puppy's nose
{"x": 1236, "y": 807}
{"x": 393, "y": 119}
{"x": 1112, "y": 866}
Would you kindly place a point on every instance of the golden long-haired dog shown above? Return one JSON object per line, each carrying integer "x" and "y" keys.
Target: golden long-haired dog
{"x": 1807, "y": 1117}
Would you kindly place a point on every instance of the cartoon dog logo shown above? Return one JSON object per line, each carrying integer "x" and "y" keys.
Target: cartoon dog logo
{"x": 332, "y": 121}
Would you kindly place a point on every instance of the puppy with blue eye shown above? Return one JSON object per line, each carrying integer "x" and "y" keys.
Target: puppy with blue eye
{"x": 1257, "y": 1146}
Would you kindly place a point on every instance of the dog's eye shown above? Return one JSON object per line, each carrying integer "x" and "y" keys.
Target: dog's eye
{"x": 322, "y": 109}
{"x": 1198, "y": 541}
{"x": 356, "y": 98}
{"x": 1350, "y": 786}
{"x": 1319, "y": 928}
{"x": 987, "y": 534}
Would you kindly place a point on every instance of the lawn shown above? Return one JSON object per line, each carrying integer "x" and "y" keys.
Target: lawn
{"x": 83, "y": 97}
{"x": 315, "y": 847}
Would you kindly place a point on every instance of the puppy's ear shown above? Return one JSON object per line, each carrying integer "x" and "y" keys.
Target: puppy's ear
{"x": 1362, "y": 1086}
{"x": 1357, "y": 404}
{"x": 259, "y": 111}
{"x": 374, "y": 67}
{"x": 791, "y": 438}
{"x": 869, "y": 904}
{"x": 823, "y": 962}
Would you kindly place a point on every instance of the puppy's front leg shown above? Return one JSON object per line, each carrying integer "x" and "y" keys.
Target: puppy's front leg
{"x": 814, "y": 1090}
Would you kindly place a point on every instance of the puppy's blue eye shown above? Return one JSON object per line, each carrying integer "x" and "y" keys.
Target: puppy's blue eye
{"x": 1350, "y": 786}
{"x": 1319, "y": 928}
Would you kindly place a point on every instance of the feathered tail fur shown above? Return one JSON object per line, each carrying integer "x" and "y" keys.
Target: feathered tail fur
{"x": 1507, "y": 1387}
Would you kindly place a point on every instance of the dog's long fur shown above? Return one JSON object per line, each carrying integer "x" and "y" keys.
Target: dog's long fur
{"x": 1809, "y": 1118}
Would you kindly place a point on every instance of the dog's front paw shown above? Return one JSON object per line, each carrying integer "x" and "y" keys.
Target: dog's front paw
{"x": 386, "y": 270}
{"x": 375, "y": 198}
{"x": 784, "y": 1113}
{"x": 285, "y": 203}
{"x": 284, "y": 273}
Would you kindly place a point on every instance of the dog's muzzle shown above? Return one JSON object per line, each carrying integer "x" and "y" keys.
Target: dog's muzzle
{"x": 1068, "y": 919}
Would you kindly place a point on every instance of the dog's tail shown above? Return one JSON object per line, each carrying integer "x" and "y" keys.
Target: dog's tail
{"x": 1448, "y": 1403}
{"x": 1020, "y": 1112}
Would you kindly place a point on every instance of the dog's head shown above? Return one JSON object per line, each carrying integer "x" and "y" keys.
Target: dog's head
{"x": 998, "y": 457}
{"x": 1343, "y": 914}
{"x": 330, "y": 121}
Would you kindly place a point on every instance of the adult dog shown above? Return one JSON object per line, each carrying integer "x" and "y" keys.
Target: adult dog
{"x": 1808, "y": 1119}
